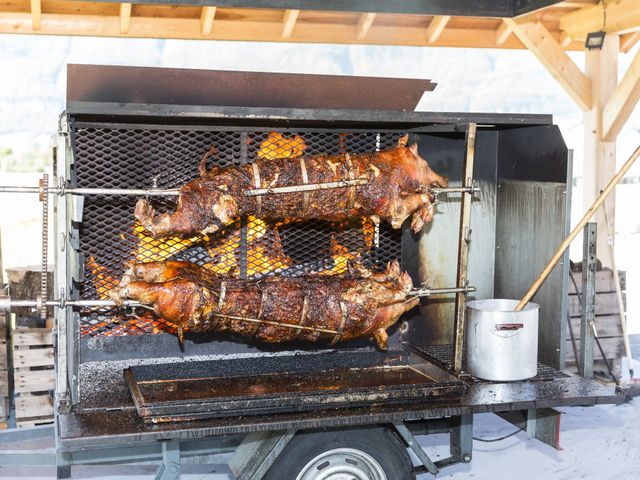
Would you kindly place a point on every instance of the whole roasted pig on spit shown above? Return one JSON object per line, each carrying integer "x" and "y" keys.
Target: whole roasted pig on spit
{"x": 389, "y": 185}
{"x": 274, "y": 309}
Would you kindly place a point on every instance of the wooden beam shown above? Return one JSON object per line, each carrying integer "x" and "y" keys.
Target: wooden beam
{"x": 364, "y": 24}
{"x": 622, "y": 102}
{"x": 206, "y": 19}
{"x": 628, "y": 41}
{"x": 565, "y": 40}
{"x": 125, "y": 17}
{"x": 502, "y": 33}
{"x": 255, "y": 31}
{"x": 549, "y": 52}
{"x": 599, "y": 157}
{"x": 290, "y": 18}
{"x": 436, "y": 27}
{"x": 622, "y": 16}
{"x": 36, "y": 14}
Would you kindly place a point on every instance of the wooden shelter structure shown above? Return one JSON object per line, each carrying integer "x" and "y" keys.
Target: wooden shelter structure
{"x": 547, "y": 28}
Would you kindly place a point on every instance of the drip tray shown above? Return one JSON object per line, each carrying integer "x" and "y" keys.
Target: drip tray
{"x": 285, "y": 383}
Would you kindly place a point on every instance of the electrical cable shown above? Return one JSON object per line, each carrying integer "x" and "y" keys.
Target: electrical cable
{"x": 492, "y": 440}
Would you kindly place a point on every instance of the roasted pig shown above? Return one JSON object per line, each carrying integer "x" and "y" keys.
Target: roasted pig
{"x": 394, "y": 185}
{"x": 274, "y": 309}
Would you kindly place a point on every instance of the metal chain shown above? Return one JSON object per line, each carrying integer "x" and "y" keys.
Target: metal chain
{"x": 44, "y": 281}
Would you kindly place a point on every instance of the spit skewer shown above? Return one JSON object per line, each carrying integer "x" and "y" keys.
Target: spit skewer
{"x": 174, "y": 192}
{"x": 6, "y": 303}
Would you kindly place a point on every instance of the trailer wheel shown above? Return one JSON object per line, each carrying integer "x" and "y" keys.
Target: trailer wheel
{"x": 362, "y": 454}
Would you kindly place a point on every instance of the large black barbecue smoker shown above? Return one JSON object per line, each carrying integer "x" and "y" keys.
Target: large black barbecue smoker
{"x": 128, "y": 390}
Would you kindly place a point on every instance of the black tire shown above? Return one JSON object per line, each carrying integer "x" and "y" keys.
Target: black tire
{"x": 376, "y": 442}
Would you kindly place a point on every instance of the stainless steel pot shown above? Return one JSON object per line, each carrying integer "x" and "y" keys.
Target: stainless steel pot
{"x": 501, "y": 344}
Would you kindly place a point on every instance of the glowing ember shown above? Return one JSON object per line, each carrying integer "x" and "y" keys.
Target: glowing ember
{"x": 278, "y": 146}
{"x": 264, "y": 251}
{"x": 102, "y": 280}
{"x": 150, "y": 249}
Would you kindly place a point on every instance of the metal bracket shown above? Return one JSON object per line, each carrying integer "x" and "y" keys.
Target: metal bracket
{"x": 589, "y": 266}
{"x": 170, "y": 466}
{"x": 463, "y": 247}
{"x": 258, "y": 451}
{"x": 411, "y": 442}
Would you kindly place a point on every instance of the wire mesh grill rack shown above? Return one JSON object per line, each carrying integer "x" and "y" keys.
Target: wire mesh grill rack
{"x": 126, "y": 156}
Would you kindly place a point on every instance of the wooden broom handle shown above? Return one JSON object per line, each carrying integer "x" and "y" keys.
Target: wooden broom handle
{"x": 574, "y": 233}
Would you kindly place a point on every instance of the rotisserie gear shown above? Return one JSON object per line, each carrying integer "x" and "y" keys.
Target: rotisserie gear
{"x": 395, "y": 186}
{"x": 319, "y": 309}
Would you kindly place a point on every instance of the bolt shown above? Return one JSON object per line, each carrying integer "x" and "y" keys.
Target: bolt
{"x": 466, "y": 458}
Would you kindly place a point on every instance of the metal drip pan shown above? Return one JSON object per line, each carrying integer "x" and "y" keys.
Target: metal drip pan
{"x": 241, "y": 387}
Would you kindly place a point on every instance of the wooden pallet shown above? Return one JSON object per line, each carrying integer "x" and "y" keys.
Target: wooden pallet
{"x": 33, "y": 376}
{"x": 4, "y": 373}
{"x": 607, "y": 321}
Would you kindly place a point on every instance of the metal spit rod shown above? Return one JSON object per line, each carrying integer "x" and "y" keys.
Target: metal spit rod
{"x": 6, "y": 303}
{"x": 174, "y": 192}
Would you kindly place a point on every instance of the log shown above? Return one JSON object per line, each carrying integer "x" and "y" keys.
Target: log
{"x": 24, "y": 284}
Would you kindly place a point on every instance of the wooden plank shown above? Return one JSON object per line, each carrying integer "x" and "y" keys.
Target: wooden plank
{"x": 32, "y": 357}
{"x": 549, "y": 52}
{"x": 28, "y": 405}
{"x": 36, "y": 14}
{"x": 289, "y": 21}
{"x": 622, "y": 16}
{"x": 364, "y": 25}
{"x": 622, "y": 102}
{"x": 385, "y": 33}
{"x": 34, "y": 422}
{"x": 606, "y": 326}
{"x": 125, "y": 17}
{"x": 4, "y": 383}
{"x": 31, "y": 336}
{"x": 628, "y": 41}
{"x": 606, "y": 304}
{"x": 33, "y": 380}
{"x": 4, "y": 408}
{"x": 502, "y": 33}
{"x": 613, "y": 348}
{"x": 436, "y": 27}
{"x": 206, "y": 19}
{"x": 604, "y": 281}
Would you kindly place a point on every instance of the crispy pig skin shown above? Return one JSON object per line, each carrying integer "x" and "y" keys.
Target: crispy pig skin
{"x": 397, "y": 179}
{"x": 362, "y": 304}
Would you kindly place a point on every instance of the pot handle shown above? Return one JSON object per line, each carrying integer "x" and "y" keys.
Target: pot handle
{"x": 509, "y": 326}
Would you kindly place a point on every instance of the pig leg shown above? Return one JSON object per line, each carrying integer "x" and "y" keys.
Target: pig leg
{"x": 184, "y": 221}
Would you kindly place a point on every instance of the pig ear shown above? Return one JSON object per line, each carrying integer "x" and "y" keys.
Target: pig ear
{"x": 414, "y": 148}
{"x": 403, "y": 140}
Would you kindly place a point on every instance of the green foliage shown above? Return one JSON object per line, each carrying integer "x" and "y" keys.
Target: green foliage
{"x": 37, "y": 159}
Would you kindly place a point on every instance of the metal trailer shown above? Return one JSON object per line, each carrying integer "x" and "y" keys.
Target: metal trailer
{"x": 522, "y": 169}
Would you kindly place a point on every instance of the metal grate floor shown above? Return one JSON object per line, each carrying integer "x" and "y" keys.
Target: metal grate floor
{"x": 443, "y": 355}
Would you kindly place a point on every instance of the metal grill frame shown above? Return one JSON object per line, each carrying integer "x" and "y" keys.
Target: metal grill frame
{"x": 73, "y": 351}
{"x": 129, "y": 156}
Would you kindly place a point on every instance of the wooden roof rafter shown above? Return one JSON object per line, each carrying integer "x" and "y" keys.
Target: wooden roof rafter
{"x": 223, "y": 20}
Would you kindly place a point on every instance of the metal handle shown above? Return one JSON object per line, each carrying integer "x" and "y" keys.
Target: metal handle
{"x": 509, "y": 326}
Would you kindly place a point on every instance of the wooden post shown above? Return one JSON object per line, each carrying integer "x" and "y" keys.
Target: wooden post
{"x": 599, "y": 163}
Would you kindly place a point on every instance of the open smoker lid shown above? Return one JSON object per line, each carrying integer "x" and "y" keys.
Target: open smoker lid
{"x": 180, "y": 86}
